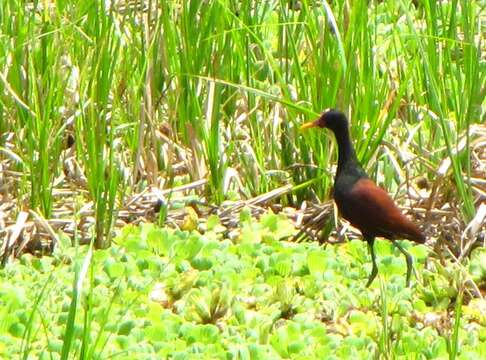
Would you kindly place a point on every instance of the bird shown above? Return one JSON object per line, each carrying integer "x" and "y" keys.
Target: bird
{"x": 360, "y": 201}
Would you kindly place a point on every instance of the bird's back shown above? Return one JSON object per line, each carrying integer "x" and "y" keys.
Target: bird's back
{"x": 370, "y": 209}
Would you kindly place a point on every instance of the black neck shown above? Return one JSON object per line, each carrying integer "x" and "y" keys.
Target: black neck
{"x": 345, "y": 149}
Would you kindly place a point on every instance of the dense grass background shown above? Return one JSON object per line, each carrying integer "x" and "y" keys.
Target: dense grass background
{"x": 165, "y": 93}
{"x": 101, "y": 101}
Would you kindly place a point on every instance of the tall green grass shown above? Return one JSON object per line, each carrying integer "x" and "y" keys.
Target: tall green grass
{"x": 32, "y": 98}
{"x": 97, "y": 123}
{"x": 232, "y": 80}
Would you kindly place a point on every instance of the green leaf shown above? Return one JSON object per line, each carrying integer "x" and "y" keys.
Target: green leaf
{"x": 283, "y": 267}
{"x": 212, "y": 222}
{"x": 316, "y": 261}
{"x": 209, "y": 333}
{"x": 382, "y": 247}
{"x": 188, "y": 249}
{"x": 202, "y": 263}
{"x": 130, "y": 238}
{"x": 270, "y": 221}
{"x": 126, "y": 327}
{"x": 113, "y": 268}
{"x": 123, "y": 341}
{"x": 156, "y": 332}
{"x": 419, "y": 252}
{"x": 477, "y": 265}
{"x": 245, "y": 216}
{"x": 250, "y": 234}
{"x": 160, "y": 241}
{"x": 17, "y": 330}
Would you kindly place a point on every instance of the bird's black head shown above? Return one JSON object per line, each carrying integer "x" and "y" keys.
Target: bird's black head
{"x": 332, "y": 119}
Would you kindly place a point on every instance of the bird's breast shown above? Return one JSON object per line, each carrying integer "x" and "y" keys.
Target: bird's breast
{"x": 343, "y": 199}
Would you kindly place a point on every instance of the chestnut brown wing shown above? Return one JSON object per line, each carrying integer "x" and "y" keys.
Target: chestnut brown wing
{"x": 369, "y": 208}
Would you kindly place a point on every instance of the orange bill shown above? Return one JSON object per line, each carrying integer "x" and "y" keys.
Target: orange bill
{"x": 308, "y": 125}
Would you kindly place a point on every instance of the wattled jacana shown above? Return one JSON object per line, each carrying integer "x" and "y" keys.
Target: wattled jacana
{"x": 360, "y": 201}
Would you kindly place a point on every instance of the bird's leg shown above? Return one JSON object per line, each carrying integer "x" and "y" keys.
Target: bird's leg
{"x": 374, "y": 269}
{"x": 408, "y": 257}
